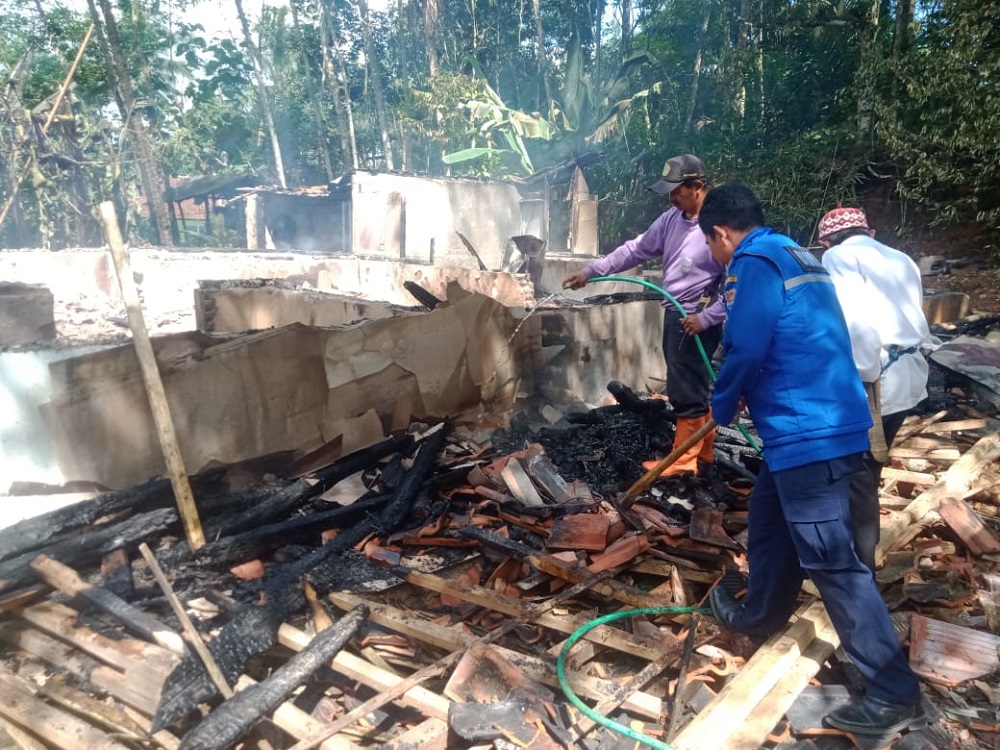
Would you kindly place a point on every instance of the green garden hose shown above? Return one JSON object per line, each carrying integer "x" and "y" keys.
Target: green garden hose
{"x": 580, "y": 632}
{"x": 697, "y": 339}
{"x": 583, "y": 707}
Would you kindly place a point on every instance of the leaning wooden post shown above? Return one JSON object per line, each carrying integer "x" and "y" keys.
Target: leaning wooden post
{"x": 151, "y": 377}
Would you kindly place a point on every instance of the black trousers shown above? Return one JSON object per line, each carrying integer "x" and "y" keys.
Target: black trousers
{"x": 863, "y": 494}
{"x": 688, "y": 383}
{"x": 798, "y": 525}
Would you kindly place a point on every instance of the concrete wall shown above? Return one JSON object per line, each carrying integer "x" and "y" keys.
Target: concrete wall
{"x": 168, "y": 280}
{"x": 27, "y": 313}
{"x": 26, "y": 447}
{"x": 255, "y": 308}
{"x": 427, "y": 213}
{"x": 300, "y": 388}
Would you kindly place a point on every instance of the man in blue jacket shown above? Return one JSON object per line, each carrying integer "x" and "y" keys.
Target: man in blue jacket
{"x": 788, "y": 356}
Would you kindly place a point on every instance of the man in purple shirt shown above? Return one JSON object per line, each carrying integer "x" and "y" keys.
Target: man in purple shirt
{"x": 693, "y": 277}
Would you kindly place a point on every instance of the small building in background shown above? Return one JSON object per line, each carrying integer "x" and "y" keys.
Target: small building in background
{"x": 201, "y": 206}
{"x": 437, "y": 221}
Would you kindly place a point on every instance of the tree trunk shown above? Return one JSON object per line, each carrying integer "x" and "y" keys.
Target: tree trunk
{"x": 118, "y": 75}
{"x": 627, "y": 30}
{"x": 706, "y": 13}
{"x": 864, "y": 81}
{"x": 431, "y": 29}
{"x": 262, "y": 98}
{"x": 543, "y": 65}
{"x": 598, "y": 21}
{"x": 341, "y": 106}
{"x": 315, "y": 98}
{"x": 903, "y": 38}
{"x": 375, "y": 76}
{"x": 402, "y": 34}
{"x": 742, "y": 49}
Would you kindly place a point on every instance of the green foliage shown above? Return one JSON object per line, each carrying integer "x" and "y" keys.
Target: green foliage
{"x": 941, "y": 125}
{"x": 775, "y": 103}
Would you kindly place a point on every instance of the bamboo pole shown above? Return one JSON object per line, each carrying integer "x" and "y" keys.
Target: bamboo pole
{"x": 192, "y": 633}
{"x": 653, "y": 474}
{"x": 154, "y": 384}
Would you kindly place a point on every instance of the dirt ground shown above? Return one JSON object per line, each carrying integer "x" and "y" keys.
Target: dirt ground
{"x": 982, "y": 285}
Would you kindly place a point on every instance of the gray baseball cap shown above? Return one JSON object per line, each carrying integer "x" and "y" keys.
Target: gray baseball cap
{"x": 678, "y": 170}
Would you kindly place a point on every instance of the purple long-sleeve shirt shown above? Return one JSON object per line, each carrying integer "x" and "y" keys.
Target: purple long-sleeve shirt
{"x": 688, "y": 266}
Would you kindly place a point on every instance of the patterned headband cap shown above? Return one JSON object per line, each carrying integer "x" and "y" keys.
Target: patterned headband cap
{"x": 841, "y": 218}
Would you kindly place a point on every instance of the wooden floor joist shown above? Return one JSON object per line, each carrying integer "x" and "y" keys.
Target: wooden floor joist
{"x": 508, "y": 605}
{"x": 128, "y": 669}
{"x": 751, "y": 733}
{"x": 742, "y": 696}
{"x": 541, "y": 670}
{"x": 56, "y": 728}
{"x": 902, "y": 526}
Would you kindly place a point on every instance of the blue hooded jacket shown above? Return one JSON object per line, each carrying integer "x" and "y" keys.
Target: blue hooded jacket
{"x": 788, "y": 354}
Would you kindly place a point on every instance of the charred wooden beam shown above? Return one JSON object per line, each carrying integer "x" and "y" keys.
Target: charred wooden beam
{"x": 253, "y": 630}
{"x": 296, "y": 494}
{"x": 250, "y": 632}
{"x": 421, "y": 295}
{"x": 65, "y": 579}
{"x": 34, "y": 533}
{"x": 223, "y": 727}
{"x": 259, "y": 541}
{"x": 628, "y": 398}
{"x": 87, "y": 548}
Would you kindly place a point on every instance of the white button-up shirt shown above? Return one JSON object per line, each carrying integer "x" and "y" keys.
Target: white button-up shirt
{"x": 881, "y": 294}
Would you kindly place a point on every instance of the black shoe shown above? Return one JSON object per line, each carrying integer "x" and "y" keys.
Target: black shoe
{"x": 724, "y": 605}
{"x": 872, "y": 716}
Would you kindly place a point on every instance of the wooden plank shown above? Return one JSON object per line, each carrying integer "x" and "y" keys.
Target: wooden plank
{"x": 426, "y": 701}
{"x": 145, "y": 665}
{"x": 913, "y": 477}
{"x": 106, "y": 715}
{"x": 611, "y": 588}
{"x": 65, "y": 579}
{"x": 913, "y": 426}
{"x": 752, "y": 732}
{"x": 959, "y": 425}
{"x": 151, "y": 378}
{"x": 298, "y": 723}
{"x": 431, "y": 734}
{"x": 508, "y": 605}
{"x": 17, "y": 599}
{"x": 441, "y": 665}
{"x": 57, "y": 728}
{"x": 929, "y": 444}
{"x": 737, "y": 701}
{"x": 22, "y": 739}
{"x": 141, "y": 696}
{"x": 453, "y": 639}
{"x": 900, "y": 527}
{"x": 936, "y": 454}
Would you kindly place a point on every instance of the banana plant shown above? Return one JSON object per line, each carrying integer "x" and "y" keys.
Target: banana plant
{"x": 497, "y": 121}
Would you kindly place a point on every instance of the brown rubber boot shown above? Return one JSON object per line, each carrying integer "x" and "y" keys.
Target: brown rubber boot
{"x": 686, "y": 427}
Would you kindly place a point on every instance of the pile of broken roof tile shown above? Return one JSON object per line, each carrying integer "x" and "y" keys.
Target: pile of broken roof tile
{"x": 463, "y": 565}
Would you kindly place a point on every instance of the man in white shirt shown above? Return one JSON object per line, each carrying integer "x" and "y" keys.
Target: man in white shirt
{"x": 881, "y": 294}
